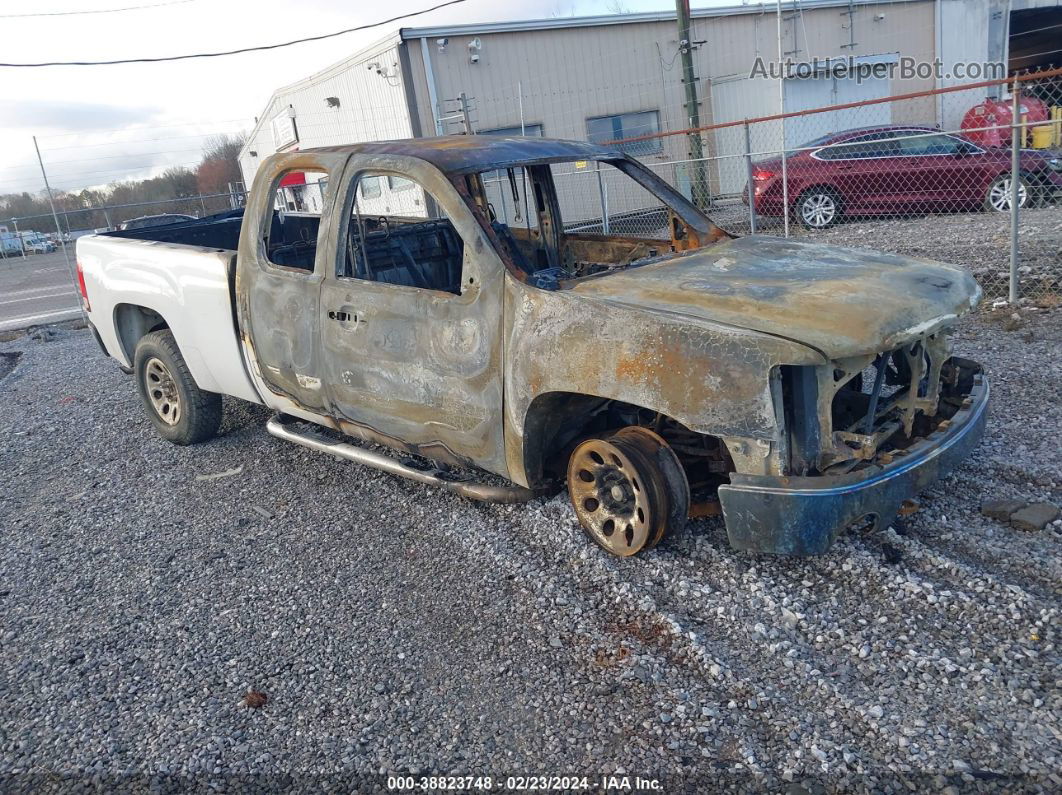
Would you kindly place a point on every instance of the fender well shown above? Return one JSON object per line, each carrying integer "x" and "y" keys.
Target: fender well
{"x": 553, "y": 419}
{"x": 131, "y": 322}
{"x": 556, "y": 421}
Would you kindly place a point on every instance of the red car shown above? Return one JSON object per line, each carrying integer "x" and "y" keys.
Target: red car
{"x": 893, "y": 170}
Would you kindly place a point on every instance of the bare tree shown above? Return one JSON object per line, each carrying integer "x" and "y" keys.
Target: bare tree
{"x": 221, "y": 163}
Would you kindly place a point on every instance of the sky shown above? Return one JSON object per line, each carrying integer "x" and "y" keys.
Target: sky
{"x": 97, "y": 124}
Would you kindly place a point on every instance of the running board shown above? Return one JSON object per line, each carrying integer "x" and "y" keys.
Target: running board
{"x": 359, "y": 455}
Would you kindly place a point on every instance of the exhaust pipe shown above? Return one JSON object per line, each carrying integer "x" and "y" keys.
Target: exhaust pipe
{"x": 359, "y": 455}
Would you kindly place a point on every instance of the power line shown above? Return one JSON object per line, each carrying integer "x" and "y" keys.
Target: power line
{"x": 242, "y": 49}
{"x": 99, "y": 11}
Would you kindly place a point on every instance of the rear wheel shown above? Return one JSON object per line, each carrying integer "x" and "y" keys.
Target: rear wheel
{"x": 818, "y": 208}
{"x": 181, "y": 411}
{"x": 998, "y": 197}
{"x": 628, "y": 490}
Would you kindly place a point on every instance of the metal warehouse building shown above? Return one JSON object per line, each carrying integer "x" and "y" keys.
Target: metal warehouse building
{"x": 608, "y": 77}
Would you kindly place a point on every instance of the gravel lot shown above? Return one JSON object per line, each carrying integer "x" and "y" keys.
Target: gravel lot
{"x": 978, "y": 241}
{"x": 396, "y": 628}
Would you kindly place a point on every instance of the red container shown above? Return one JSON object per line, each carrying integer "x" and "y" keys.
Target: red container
{"x": 995, "y": 114}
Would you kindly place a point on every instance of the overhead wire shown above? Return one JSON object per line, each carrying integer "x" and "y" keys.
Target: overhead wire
{"x": 237, "y": 51}
{"x": 94, "y": 11}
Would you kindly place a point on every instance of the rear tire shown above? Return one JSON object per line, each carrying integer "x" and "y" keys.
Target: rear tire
{"x": 181, "y": 411}
{"x": 818, "y": 208}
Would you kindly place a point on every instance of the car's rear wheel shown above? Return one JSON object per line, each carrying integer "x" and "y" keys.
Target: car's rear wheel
{"x": 818, "y": 208}
{"x": 181, "y": 411}
{"x": 628, "y": 490}
{"x": 998, "y": 196}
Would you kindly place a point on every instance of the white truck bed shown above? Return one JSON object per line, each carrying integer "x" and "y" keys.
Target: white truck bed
{"x": 190, "y": 287}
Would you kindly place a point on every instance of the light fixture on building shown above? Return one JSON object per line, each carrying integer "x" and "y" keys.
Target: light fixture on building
{"x": 474, "y": 46}
{"x": 386, "y": 72}
{"x": 442, "y": 44}
{"x": 332, "y": 102}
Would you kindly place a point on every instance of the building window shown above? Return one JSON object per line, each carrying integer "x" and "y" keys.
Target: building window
{"x": 603, "y": 129}
{"x": 529, "y": 131}
{"x": 370, "y": 188}
{"x": 398, "y": 183}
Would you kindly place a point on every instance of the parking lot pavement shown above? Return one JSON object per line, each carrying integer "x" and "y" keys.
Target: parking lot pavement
{"x": 36, "y": 289}
{"x": 146, "y": 587}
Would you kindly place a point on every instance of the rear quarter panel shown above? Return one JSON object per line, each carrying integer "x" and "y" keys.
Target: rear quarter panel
{"x": 187, "y": 285}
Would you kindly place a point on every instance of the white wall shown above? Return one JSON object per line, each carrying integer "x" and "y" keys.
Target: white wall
{"x": 963, "y": 37}
{"x": 372, "y": 107}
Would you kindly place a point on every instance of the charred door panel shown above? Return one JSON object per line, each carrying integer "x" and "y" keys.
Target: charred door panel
{"x": 417, "y": 365}
{"x": 278, "y": 281}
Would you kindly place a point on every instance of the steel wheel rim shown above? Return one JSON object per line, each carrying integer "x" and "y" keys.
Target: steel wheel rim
{"x": 162, "y": 391}
{"x": 611, "y": 496}
{"x": 663, "y": 460}
{"x": 999, "y": 195}
{"x": 818, "y": 210}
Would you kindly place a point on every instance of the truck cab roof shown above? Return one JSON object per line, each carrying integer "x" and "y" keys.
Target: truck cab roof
{"x": 464, "y": 154}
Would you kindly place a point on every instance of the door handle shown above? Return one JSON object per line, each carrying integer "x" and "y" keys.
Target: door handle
{"x": 345, "y": 316}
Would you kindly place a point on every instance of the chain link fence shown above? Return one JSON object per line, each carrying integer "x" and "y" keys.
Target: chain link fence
{"x": 33, "y": 234}
{"x": 968, "y": 174}
{"x": 929, "y": 174}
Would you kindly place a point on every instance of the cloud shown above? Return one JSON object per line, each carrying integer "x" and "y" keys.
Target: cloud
{"x": 64, "y": 116}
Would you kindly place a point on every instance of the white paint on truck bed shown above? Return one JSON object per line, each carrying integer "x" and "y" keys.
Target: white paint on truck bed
{"x": 187, "y": 285}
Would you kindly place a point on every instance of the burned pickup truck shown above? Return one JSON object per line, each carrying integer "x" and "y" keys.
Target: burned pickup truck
{"x": 549, "y": 312}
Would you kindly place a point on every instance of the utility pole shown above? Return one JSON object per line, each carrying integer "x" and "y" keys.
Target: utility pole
{"x": 55, "y": 216}
{"x": 464, "y": 115}
{"x": 693, "y": 113}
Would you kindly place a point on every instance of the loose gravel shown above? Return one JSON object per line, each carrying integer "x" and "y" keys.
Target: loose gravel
{"x": 978, "y": 241}
{"x": 395, "y": 628}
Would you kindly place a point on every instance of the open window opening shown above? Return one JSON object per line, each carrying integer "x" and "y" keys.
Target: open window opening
{"x": 580, "y": 218}
{"x": 298, "y": 200}
{"x": 397, "y": 233}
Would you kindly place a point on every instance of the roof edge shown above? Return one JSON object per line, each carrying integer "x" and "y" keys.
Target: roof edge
{"x": 553, "y": 23}
{"x": 370, "y": 50}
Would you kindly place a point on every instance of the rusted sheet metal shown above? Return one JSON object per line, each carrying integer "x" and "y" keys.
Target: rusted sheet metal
{"x": 278, "y": 306}
{"x": 710, "y": 377}
{"x": 462, "y": 154}
{"x": 418, "y": 370}
{"x": 840, "y": 301}
{"x": 803, "y": 515}
{"x": 490, "y": 375}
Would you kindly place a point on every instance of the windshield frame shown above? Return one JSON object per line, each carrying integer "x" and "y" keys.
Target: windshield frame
{"x": 698, "y": 225}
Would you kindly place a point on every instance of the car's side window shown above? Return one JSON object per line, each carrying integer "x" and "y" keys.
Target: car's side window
{"x": 297, "y": 201}
{"x": 915, "y": 144}
{"x": 879, "y": 144}
{"x": 396, "y": 233}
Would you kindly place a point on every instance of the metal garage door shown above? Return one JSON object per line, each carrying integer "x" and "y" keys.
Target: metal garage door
{"x": 828, "y": 89}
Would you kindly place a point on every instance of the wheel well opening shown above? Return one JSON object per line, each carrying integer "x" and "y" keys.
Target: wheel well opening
{"x": 132, "y": 322}
{"x": 558, "y": 421}
{"x": 822, "y": 187}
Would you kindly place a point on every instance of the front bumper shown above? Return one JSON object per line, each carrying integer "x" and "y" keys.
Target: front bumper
{"x": 803, "y": 515}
